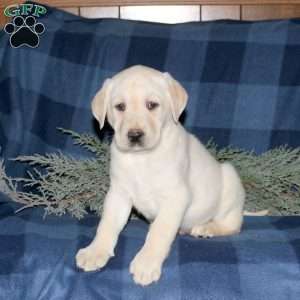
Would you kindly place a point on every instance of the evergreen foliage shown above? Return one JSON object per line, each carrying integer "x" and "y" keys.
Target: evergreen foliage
{"x": 63, "y": 184}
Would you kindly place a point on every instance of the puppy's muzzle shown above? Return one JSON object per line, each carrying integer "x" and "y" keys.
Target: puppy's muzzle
{"x": 135, "y": 136}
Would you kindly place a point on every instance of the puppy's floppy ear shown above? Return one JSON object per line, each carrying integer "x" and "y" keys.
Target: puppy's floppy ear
{"x": 178, "y": 96}
{"x": 100, "y": 102}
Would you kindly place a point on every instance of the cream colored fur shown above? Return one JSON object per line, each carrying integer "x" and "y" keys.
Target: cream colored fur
{"x": 171, "y": 178}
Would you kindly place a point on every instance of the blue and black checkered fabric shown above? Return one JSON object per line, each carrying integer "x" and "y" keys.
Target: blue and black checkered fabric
{"x": 243, "y": 78}
{"x": 243, "y": 81}
{"x": 37, "y": 261}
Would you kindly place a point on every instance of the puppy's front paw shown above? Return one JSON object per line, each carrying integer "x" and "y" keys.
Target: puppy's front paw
{"x": 90, "y": 259}
{"x": 145, "y": 268}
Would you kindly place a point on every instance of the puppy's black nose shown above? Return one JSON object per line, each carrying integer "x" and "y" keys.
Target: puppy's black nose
{"x": 135, "y": 135}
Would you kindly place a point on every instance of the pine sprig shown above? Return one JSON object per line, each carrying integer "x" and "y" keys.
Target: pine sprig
{"x": 271, "y": 180}
{"x": 63, "y": 184}
{"x": 89, "y": 142}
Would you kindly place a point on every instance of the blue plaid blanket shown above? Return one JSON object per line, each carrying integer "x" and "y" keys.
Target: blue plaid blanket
{"x": 243, "y": 80}
{"x": 37, "y": 261}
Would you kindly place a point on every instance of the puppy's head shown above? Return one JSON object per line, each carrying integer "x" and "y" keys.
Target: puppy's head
{"x": 138, "y": 103}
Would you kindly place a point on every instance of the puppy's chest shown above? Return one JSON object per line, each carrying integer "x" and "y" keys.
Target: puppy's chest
{"x": 147, "y": 181}
{"x": 146, "y": 189}
{"x": 147, "y": 196}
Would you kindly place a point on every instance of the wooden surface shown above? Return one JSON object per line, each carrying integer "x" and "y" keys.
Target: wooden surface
{"x": 215, "y": 12}
{"x": 226, "y": 9}
{"x": 3, "y": 19}
{"x": 262, "y": 12}
{"x": 97, "y": 3}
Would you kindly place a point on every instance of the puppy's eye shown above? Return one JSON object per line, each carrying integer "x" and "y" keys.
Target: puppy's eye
{"x": 121, "y": 106}
{"x": 151, "y": 105}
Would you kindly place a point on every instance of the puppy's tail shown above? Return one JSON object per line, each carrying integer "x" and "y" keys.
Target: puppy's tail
{"x": 256, "y": 213}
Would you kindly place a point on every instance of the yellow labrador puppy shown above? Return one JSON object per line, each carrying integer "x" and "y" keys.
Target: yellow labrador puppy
{"x": 161, "y": 170}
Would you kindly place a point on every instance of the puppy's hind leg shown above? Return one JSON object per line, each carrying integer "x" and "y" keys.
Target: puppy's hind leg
{"x": 229, "y": 216}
